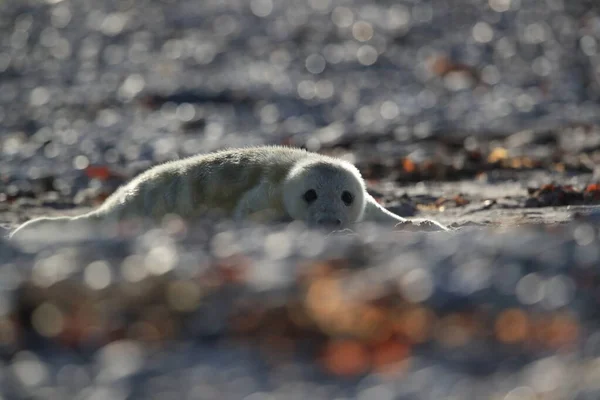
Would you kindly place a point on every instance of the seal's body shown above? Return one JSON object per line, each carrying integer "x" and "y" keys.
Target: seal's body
{"x": 265, "y": 183}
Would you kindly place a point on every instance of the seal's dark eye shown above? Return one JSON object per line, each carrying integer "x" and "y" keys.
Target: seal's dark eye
{"x": 347, "y": 198}
{"x": 310, "y": 196}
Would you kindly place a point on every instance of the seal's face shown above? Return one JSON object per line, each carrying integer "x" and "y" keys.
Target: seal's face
{"x": 324, "y": 193}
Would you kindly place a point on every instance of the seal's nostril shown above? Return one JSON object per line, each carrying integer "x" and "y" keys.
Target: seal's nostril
{"x": 332, "y": 222}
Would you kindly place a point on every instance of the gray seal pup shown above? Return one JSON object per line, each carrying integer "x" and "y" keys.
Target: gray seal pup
{"x": 266, "y": 183}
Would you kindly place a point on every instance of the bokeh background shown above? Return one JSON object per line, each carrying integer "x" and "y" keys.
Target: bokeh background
{"x": 443, "y": 104}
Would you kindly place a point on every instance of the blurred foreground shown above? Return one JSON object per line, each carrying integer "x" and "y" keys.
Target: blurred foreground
{"x": 283, "y": 312}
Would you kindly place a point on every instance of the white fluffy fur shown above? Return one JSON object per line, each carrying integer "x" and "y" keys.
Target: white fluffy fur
{"x": 266, "y": 183}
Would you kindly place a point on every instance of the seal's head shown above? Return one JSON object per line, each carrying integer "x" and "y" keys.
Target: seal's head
{"x": 324, "y": 193}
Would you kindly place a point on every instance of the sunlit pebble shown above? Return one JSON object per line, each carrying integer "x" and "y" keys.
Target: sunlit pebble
{"x": 490, "y": 74}
{"x": 364, "y": 116}
{"x": 500, "y": 108}
{"x": 362, "y": 31}
{"x": 51, "y": 150}
{"x": 269, "y": 114}
{"x": 530, "y": 289}
{"x": 205, "y": 53}
{"x": 422, "y": 12}
{"x": 535, "y": 33}
{"x": 398, "y": 18}
{"x": 46, "y": 271}
{"x": 588, "y": 45}
{"x": 261, "y": 8}
{"x": 547, "y": 374}
{"x": 500, "y": 5}
{"x": 132, "y": 86}
{"x": 61, "y": 49}
{"x": 315, "y": 63}
{"x": 306, "y": 90}
{"x": 521, "y": 393}
{"x": 23, "y": 22}
{"x": 185, "y": 112}
{"x": 29, "y": 369}
{"x": 416, "y": 285}
{"x": 165, "y": 146}
{"x": 584, "y": 234}
{"x": 558, "y": 292}
{"x": 269, "y": 275}
{"x": 296, "y": 124}
{"x": 49, "y": 36}
{"x": 161, "y": 260}
{"x": 173, "y": 49}
{"x": 278, "y": 245}
{"x": 342, "y": 17}
{"x": 88, "y": 146}
{"x": 426, "y": 99}
{"x": 119, "y": 359}
{"x": 524, "y": 102}
{"x": 541, "y": 66}
{"x": 281, "y": 58}
{"x": 168, "y": 110}
{"x": 423, "y": 130}
{"x": 389, "y": 110}
{"x": 81, "y": 162}
{"x": 324, "y": 89}
{"x": 313, "y": 144}
{"x": 18, "y": 39}
{"x": 320, "y": 5}
{"x": 214, "y": 131}
{"x": 107, "y": 118}
{"x": 224, "y": 244}
{"x": 225, "y": 25}
{"x": 114, "y": 23}
{"x": 12, "y": 144}
{"x": 39, "y": 96}
{"x": 483, "y": 32}
{"x": 471, "y": 276}
{"x": 138, "y": 53}
{"x": 333, "y": 53}
{"x": 86, "y": 75}
{"x": 505, "y": 47}
{"x": 97, "y": 275}
{"x": 133, "y": 268}
{"x": 48, "y": 320}
{"x": 367, "y": 55}
{"x": 331, "y": 133}
{"x": 61, "y": 16}
{"x": 458, "y": 80}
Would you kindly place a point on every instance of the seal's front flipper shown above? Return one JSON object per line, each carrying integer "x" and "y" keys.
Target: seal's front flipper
{"x": 377, "y": 213}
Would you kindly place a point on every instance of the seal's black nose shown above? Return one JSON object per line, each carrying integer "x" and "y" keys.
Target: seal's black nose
{"x": 329, "y": 222}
